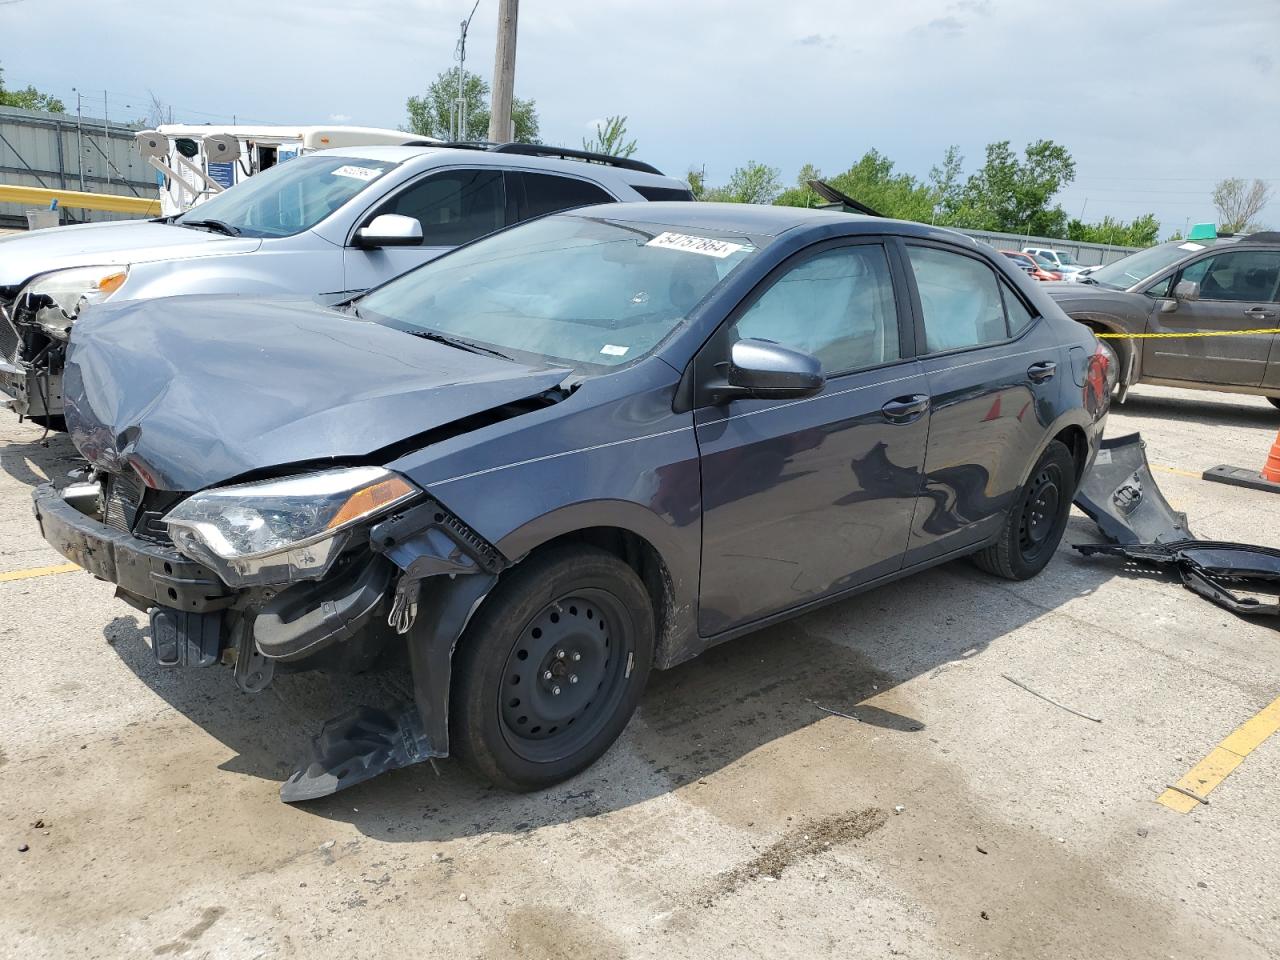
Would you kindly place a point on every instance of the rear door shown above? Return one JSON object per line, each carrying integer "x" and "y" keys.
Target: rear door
{"x": 994, "y": 375}
{"x": 804, "y": 498}
{"x": 1239, "y": 290}
{"x": 454, "y": 207}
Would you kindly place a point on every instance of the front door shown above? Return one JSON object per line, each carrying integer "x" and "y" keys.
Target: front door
{"x": 994, "y": 376}
{"x": 453, "y": 206}
{"x": 1239, "y": 290}
{"x": 803, "y": 498}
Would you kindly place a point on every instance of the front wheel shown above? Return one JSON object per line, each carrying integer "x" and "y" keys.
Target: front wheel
{"x": 1037, "y": 520}
{"x": 551, "y": 668}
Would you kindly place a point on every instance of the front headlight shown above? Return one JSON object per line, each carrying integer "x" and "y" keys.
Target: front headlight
{"x": 276, "y": 531}
{"x": 55, "y": 300}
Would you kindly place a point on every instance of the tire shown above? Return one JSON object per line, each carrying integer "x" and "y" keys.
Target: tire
{"x": 511, "y": 724}
{"x": 1037, "y": 519}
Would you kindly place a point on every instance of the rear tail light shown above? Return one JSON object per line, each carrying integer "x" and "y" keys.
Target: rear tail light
{"x": 1099, "y": 380}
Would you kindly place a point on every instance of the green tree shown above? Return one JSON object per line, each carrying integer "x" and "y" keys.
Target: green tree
{"x": 1013, "y": 195}
{"x": 802, "y": 195}
{"x": 1238, "y": 202}
{"x": 753, "y": 183}
{"x": 697, "y": 180}
{"x": 948, "y": 188}
{"x": 872, "y": 181}
{"x": 1143, "y": 231}
{"x": 29, "y": 98}
{"x": 430, "y": 114}
{"x": 611, "y": 138}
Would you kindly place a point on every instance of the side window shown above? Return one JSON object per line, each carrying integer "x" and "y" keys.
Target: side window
{"x": 547, "y": 193}
{"x": 454, "y": 207}
{"x": 959, "y": 298}
{"x": 837, "y": 305}
{"x": 1019, "y": 316}
{"x": 1238, "y": 276}
{"x": 1160, "y": 289}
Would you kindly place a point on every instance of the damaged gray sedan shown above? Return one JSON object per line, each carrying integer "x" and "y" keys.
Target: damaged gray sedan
{"x": 562, "y": 456}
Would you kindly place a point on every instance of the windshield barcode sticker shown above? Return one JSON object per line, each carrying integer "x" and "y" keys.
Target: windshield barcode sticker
{"x": 1190, "y": 246}
{"x": 357, "y": 173}
{"x": 613, "y": 350}
{"x": 704, "y": 245}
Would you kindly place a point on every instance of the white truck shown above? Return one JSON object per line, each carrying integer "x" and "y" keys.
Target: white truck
{"x": 196, "y": 163}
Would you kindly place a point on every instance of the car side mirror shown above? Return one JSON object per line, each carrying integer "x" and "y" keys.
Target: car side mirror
{"x": 1185, "y": 290}
{"x": 390, "y": 230}
{"x": 766, "y": 370}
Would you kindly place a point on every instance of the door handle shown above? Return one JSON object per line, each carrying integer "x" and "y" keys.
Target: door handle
{"x": 1042, "y": 371}
{"x": 906, "y": 409}
{"x": 1260, "y": 313}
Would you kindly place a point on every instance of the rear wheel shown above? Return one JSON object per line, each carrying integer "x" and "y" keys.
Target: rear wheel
{"x": 1037, "y": 520}
{"x": 551, "y": 668}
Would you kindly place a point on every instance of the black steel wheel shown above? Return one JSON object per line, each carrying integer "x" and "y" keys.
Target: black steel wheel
{"x": 566, "y": 674}
{"x": 1037, "y": 520}
{"x": 1039, "y": 513}
{"x": 551, "y": 667}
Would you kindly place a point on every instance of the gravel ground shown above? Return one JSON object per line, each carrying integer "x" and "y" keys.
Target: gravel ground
{"x": 959, "y": 816}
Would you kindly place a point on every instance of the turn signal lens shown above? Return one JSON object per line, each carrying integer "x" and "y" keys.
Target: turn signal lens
{"x": 370, "y": 500}
{"x": 112, "y": 282}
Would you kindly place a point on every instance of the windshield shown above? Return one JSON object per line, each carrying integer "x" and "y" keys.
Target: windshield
{"x": 1045, "y": 262}
{"x": 1066, "y": 259}
{"x": 290, "y": 197}
{"x": 1125, "y": 272}
{"x": 575, "y": 291}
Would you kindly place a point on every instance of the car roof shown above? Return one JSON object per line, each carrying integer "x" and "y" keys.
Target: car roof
{"x": 763, "y": 219}
{"x": 428, "y": 155}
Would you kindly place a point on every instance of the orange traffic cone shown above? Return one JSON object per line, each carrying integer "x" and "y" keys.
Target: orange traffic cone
{"x": 1271, "y": 469}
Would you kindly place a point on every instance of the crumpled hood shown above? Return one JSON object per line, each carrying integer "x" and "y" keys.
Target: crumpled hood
{"x": 24, "y": 255}
{"x": 195, "y": 391}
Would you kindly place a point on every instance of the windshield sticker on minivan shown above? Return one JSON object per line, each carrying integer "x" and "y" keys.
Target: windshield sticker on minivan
{"x": 357, "y": 173}
{"x": 613, "y": 350}
{"x": 1190, "y": 246}
{"x": 704, "y": 245}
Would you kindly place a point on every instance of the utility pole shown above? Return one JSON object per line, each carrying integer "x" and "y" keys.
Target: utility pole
{"x": 106, "y": 137}
{"x": 458, "y": 121}
{"x": 501, "y": 128}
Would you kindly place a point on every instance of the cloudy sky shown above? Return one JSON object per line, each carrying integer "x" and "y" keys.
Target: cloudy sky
{"x": 1156, "y": 99}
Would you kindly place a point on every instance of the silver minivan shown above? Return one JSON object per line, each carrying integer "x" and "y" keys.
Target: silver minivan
{"x": 327, "y": 225}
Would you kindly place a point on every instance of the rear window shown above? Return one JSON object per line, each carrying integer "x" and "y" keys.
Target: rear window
{"x": 662, "y": 193}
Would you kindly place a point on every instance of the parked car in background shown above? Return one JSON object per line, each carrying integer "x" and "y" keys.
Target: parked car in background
{"x": 1059, "y": 261}
{"x": 328, "y": 224}
{"x": 590, "y": 445}
{"x": 1036, "y": 267}
{"x": 1215, "y": 285}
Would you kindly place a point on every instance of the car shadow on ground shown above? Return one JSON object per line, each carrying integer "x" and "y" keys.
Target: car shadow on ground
{"x": 695, "y": 719}
{"x": 24, "y": 459}
{"x": 1244, "y": 412}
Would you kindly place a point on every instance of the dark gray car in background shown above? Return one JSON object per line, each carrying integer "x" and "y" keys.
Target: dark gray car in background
{"x": 1216, "y": 286}
{"x": 556, "y": 458}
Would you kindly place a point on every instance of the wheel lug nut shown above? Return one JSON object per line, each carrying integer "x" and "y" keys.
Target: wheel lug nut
{"x": 559, "y": 654}
{"x": 555, "y": 691}
{"x": 576, "y": 656}
{"x": 546, "y": 675}
{"x": 573, "y": 678}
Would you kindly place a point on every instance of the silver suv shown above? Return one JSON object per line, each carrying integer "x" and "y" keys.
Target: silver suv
{"x": 329, "y": 224}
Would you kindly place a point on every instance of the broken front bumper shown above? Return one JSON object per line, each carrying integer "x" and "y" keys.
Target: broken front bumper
{"x": 150, "y": 573}
{"x": 29, "y": 392}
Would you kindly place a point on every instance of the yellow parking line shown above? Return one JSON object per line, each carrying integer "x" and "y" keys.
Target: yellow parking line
{"x": 1201, "y": 779}
{"x": 1180, "y": 472}
{"x": 37, "y": 572}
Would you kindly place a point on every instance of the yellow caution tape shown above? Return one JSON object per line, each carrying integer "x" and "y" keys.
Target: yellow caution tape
{"x": 1269, "y": 331}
